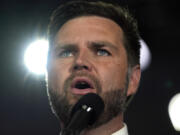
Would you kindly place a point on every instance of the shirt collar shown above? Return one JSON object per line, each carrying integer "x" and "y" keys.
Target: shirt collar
{"x": 122, "y": 131}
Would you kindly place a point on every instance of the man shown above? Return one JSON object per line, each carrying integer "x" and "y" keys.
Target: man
{"x": 94, "y": 48}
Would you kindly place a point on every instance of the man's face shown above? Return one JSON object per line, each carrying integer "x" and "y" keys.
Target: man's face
{"x": 88, "y": 56}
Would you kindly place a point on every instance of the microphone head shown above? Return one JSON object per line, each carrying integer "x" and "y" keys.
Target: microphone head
{"x": 90, "y": 100}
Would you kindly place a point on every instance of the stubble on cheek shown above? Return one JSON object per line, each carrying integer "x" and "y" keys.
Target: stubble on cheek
{"x": 57, "y": 98}
{"x": 59, "y": 105}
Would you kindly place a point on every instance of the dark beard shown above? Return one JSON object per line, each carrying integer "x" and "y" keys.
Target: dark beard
{"x": 59, "y": 102}
{"x": 114, "y": 101}
{"x": 60, "y": 106}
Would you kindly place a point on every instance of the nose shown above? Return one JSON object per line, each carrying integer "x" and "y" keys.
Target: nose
{"x": 82, "y": 62}
{"x": 80, "y": 67}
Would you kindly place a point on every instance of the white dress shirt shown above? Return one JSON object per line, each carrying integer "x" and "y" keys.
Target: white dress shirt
{"x": 122, "y": 131}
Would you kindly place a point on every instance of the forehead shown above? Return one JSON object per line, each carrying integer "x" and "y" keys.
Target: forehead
{"x": 91, "y": 28}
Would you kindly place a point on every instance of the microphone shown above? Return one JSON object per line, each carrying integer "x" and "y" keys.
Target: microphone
{"x": 85, "y": 112}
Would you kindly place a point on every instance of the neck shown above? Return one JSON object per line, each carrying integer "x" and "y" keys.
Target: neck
{"x": 106, "y": 129}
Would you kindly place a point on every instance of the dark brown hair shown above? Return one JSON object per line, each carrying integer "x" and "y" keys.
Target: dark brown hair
{"x": 73, "y": 9}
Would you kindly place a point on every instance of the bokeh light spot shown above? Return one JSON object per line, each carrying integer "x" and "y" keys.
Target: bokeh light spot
{"x": 35, "y": 57}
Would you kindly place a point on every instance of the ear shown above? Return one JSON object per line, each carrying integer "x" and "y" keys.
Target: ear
{"x": 134, "y": 79}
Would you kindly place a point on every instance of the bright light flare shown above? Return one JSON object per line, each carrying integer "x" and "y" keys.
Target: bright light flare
{"x": 35, "y": 57}
{"x": 145, "y": 55}
{"x": 174, "y": 111}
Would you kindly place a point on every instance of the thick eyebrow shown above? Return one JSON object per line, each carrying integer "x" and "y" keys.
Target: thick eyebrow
{"x": 65, "y": 47}
{"x": 100, "y": 44}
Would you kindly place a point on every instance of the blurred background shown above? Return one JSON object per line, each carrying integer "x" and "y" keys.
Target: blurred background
{"x": 24, "y": 107}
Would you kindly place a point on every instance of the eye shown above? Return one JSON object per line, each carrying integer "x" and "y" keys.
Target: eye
{"x": 65, "y": 54}
{"x": 102, "y": 52}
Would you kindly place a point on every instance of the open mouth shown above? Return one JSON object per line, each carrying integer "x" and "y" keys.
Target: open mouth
{"x": 82, "y": 86}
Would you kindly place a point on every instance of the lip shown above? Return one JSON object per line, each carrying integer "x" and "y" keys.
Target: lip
{"x": 82, "y": 91}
